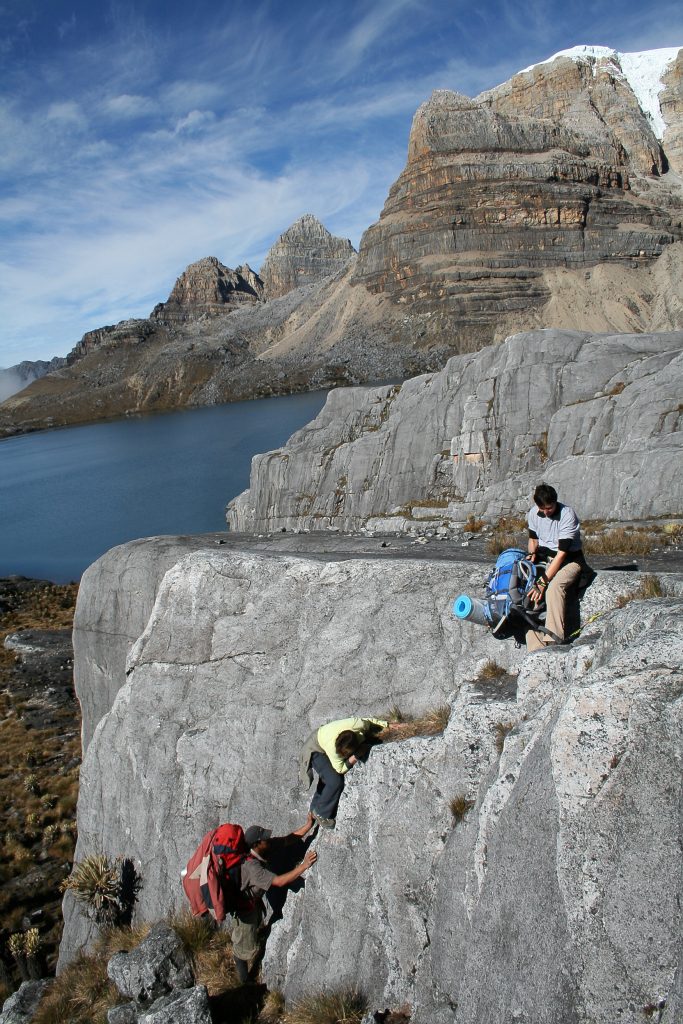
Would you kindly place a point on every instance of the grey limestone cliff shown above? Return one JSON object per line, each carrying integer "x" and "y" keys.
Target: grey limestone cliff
{"x": 598, "y": 416}
{"x": 555, "y": 898}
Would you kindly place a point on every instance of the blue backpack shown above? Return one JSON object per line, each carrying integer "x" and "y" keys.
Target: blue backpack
{"x": 507, "y": 607}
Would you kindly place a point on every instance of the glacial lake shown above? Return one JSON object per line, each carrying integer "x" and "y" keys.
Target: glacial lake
{"x": 68, "y": 495}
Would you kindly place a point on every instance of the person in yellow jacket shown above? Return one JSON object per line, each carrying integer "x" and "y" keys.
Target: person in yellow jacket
{"x": 330, "y": 752}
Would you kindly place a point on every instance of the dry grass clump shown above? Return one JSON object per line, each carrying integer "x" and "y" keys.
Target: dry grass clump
{"x": 81, "y": 994}
{"x": 622, "y": 540}
{"x": 649, "y": 587}
{"x": 491, "y": 670}
{"x": 273, "y": 1009}
{"x": 508, "y": 532}
{"x": 341, "y": 1007}
{"x": 459, "y": 806}
{"x": 210, "y": 949}
{"x": 474, "y": 525}
{"x": 404, "y": 727}
{"x": 673, "y": 532}
{"x": 500, "y": 731}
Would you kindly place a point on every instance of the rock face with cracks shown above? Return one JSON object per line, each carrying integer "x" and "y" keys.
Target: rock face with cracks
{"x": 555, "y": 897}
{"x": 599, "y": 416}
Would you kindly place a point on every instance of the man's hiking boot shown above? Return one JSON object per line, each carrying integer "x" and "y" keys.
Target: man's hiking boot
{"x": 241, "y": 969}
{"x": 324, "y": 822}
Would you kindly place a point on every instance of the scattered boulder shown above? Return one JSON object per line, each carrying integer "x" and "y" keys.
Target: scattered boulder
{"x": 156, "y": 967}
{"x": 20, "y": 1007}
{"x": 188, "y": 1007}
{"x": 126, "y": 1013}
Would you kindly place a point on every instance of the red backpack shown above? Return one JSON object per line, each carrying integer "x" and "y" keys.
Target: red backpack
{"x": 211, "y": 879}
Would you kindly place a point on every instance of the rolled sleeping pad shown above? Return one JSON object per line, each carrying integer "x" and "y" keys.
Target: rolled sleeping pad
{"x": 471, "y": 609}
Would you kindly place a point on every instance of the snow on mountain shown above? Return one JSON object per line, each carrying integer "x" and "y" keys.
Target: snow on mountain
{"x": 643, "y": 71}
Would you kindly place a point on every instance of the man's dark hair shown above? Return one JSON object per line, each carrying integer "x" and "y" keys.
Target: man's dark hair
{"x": 346, "y": 743}
{"x": 545, "y": 494}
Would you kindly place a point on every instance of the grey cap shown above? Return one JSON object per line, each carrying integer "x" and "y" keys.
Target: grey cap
{"x": 255, "y": 833}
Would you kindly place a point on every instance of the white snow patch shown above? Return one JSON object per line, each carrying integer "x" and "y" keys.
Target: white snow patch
{"x": 643, "y": 72}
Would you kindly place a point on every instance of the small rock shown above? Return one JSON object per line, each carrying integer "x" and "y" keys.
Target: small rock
{"x": 188, "y": 1007}
{"x": 158, "y": 965}
{"x": 126, "y": 1013}
{"x": 20, "y": 1007}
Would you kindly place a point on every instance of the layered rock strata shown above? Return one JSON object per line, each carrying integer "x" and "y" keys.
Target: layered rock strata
{"x": 207, "y": 288}
{"x": 538, "y": 838}
{"x": 597, "y": 416}
{"x": 536, "y": 174}
{"x": 304, "y": 254}
{"x": 128, "y": 333}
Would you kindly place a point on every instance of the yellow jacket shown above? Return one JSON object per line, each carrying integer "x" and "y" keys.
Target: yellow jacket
{"x": 327, "y": 735}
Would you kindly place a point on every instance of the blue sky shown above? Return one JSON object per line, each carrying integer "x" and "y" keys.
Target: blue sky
{"x": 138, "y": 137}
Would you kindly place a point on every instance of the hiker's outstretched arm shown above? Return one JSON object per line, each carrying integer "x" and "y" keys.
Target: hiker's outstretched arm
{"x": 291, "y": 876}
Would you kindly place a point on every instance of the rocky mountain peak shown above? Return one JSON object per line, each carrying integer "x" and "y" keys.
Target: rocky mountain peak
{"x": 560, "y": 168}
{"x": 306, "y": 252}
{"x": 206, "y": 288}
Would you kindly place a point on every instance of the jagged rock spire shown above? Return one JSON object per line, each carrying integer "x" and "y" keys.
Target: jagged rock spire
{"x": 304, "y": 253}
{"x": 208, "y": 287}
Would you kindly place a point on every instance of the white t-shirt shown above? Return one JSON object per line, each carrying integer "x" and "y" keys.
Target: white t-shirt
{"x": 550, "y": 530}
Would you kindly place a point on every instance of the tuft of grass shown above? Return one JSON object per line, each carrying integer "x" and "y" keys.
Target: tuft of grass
{"x": 459, "y": 806}
{"x": 273, "y": 1009}
{"x": 542, "y": 446}
{"x": 491, "y": 670}
{"x": 500, "y": 731}
{"x": 508, "y": 532}
{"x": 210, "y": 949}
{"x": 404, "y": 727}
{"x": 474, "y": 525}
{"x": 649, "y": 587}
{"x": 121, "y": 939}
{"x": 622, "y": 541}
{"x": 81, "y": 994}
{"x": 340, "y": 1007}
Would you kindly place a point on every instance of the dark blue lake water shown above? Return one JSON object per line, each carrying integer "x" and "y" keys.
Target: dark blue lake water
{"x": 67, "y": 496}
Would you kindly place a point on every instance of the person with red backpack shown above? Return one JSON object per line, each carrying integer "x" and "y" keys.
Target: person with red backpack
{"x": 227, "y": 876}
{"x": 256, "y": 878}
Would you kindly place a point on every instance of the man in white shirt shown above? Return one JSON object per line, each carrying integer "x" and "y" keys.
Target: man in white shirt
{"x": 555, "y": 538}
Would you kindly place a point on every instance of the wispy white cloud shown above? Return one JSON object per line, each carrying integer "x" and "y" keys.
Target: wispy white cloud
{"x": 66, "y": 27}
{"x": 128, "y": 107}
{"x": 67, "y": 113}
